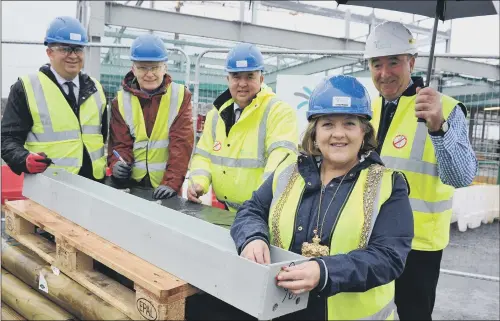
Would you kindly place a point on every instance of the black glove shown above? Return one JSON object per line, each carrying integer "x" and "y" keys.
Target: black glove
{"x": 122, "y": 170}
{"x": 164, "y": 192}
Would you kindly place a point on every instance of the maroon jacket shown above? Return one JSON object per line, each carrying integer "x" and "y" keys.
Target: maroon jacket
{"x": 181, "y": 138}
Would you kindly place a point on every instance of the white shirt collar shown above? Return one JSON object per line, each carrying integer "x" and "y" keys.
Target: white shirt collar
{"x": 61, "y": 80}
{"x": 236, "y": 106}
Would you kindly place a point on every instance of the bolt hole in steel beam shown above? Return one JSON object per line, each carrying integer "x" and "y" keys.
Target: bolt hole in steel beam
{"x": 196, "y": 251}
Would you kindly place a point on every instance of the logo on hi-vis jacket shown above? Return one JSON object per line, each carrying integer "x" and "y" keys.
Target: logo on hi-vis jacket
{"x": 399, "y": 141}
{"x": 217, "y": 146}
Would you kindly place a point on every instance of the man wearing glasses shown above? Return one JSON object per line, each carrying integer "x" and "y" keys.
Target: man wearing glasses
{"x": 151, "y": 126}
{"x": 56, "y": 117}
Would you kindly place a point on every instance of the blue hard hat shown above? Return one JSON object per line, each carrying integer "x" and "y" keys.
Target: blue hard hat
{"x": 340, "y": 95}
{"x": 244, "y": 57}
{"x": 148, "y": 47}
{"x": 66, "y": 30}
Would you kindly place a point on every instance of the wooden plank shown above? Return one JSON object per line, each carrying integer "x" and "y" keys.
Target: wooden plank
{"x": 158, "y": 295}
{"x": 9, "y": 314}
{"x": 144, "y": 274}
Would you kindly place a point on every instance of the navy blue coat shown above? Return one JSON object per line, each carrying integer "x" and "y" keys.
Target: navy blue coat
{"x": 357, "y": 271}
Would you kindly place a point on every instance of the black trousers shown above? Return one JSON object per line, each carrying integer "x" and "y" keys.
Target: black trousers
{"x": 416, "y": 287}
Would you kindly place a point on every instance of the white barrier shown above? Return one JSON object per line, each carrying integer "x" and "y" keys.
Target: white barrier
{"x": 475, "y": 204}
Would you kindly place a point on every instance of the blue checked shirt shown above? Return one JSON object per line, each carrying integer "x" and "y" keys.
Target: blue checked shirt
{"x": 456, "y": 160}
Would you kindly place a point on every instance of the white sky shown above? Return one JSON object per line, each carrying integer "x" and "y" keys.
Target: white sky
{"x": 28, "y": 20}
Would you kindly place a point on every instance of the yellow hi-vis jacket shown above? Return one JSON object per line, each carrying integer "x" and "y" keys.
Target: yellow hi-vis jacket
{"x": 58, "y": 132}
{"x": 150, "y": 153}
{"x": 237, "y": 164}
{"x": 408, "y": 148}
{"x": 352, "y": 232}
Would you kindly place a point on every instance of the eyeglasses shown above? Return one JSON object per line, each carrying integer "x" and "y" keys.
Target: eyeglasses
{"x": 68, "y": 50}
{"x": 153, "y": 69}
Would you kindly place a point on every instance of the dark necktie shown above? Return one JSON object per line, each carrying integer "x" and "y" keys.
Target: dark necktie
{"x": 71, "y": 95}
{"x": 386, "y": 118}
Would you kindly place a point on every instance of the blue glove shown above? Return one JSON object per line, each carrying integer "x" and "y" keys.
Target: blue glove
{"x": 164, "y": 192}
{"x": 122, "y": 170}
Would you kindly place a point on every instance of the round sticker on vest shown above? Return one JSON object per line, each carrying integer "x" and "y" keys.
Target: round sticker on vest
{"x": 399, "y": 141}
{"x": 217, "y": 146}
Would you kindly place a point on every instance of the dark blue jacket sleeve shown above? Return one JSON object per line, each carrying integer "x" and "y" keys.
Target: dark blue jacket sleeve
{"x": 384, "y": 258}
{"x": 251, "y": 221}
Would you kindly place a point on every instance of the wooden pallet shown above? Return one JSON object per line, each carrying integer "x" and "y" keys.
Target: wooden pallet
{"x": 158, "y": 295}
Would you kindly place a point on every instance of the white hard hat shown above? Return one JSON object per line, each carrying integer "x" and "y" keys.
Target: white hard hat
{"x": 388, "y": 39}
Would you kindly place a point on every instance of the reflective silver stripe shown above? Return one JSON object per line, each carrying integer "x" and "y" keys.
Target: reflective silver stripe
{"x": 214, "y": 126}
{"x": 410, "y": 165}
{"x": 235, "y": 162}
{"x": 95, "y": 155}
{"x": 261, "y": 143}
{"x": 430, "y": 207}
{"x": 140, "y": 165}
{"x": 200, "y": 172}
{"x": 139, "y": 145}
{"x": 52, "y": 137}
{"x": 66, "y": 161}
{"x": 266, "y": 175}
{"x": 98, "y": 101}
{"x": 157, "y": 167}
{"x": 417, "y": 149}
{"x": 384, "y": 313}
{"x": 233, "y": 205}
{"x": 281, "y": 183}
{"x": 285, "y": 144}
{"x": 158, "y": 144}
{"x": 48, "y": 134}
{"x": 229, "y": 161}
{"x": 202, "y": 152}
{"x": 174, "y": 97}
{"x": 91, "y": 129}
{"x": 127, "y": 110}
{"x": 152, "y": 167}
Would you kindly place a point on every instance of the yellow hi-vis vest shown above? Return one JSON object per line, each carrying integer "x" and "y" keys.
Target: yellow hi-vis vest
{"x": 150, "y": 153}
{"x": 408, "y": 148}
{"x": 352, "y": 232}
{"x": 56, "y": 129}
{"x": 235, "y": 164}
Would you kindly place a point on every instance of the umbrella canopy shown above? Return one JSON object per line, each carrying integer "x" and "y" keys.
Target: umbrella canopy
{"x": 439, "y": 9}
{"x": 452, "y": 9}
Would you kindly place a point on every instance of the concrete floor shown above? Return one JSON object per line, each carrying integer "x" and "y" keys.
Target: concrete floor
{"x": 463, "y": 298}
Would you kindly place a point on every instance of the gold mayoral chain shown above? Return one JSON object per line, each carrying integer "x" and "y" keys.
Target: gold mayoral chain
{"x": 315, "y": 249}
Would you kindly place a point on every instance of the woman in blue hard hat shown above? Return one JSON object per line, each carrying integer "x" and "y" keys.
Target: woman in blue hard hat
{"x": 337, "y": 204}
{"x": 56, "y": 116}
{"x": 151, "y": 127}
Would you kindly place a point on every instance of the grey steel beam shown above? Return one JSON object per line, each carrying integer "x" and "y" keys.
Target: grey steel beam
{"x": 469, "y": 89}
{"x": 96, "y": 31}
{"x": 314, "y": 66}
{"x": 121, "y": 31}
{"x": 339, "y": 14}
{"x": 461, "y": 66}
{"x": 198, "y": 252}
{"x": 144, "y": 18}
{"x": 453, "y": 65}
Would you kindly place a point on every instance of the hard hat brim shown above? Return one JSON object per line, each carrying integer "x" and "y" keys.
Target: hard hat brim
{"x": 147, "y": 59}
{"x": 242, "y": 69}
{"x": 67, "y": 42}
{"x": 311, "y": 114}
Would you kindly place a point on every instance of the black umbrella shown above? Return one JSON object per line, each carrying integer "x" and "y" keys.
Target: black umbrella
{"x": 439, "y": 9}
